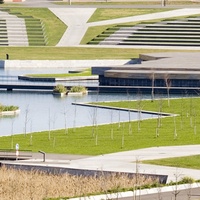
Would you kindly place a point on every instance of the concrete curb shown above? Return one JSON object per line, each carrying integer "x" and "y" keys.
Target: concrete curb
{"x": 140, "y": 192}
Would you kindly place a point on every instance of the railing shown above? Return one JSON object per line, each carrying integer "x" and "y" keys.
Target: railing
{"x": 12, "y": 154}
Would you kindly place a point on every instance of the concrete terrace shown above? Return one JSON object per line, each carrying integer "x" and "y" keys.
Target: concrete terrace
{"x": 14, "y": 30}
{"x": 77, "y": 25}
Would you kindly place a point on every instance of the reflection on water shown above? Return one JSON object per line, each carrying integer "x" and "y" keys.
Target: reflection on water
{"x": 42, "y": 111}
{"x": 39, "y": 110}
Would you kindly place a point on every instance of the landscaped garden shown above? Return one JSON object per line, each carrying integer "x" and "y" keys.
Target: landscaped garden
{"x": 54, "y": 30}
{"x": 181, "y": 128}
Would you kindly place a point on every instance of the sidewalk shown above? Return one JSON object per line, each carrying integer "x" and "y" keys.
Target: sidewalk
{"x": 122, "y": 161}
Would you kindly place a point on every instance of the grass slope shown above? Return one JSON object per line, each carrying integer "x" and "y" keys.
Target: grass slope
{"x": 192, "y": 162}
{"x": 54, "y": 28}
{"x": 113, "y": 13}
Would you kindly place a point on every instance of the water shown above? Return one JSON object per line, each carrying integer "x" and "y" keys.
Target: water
{"x": 42, "y": 111}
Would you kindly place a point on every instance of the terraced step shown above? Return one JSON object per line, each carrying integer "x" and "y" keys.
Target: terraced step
{"x": 15, "y": 26}
{"x": 159, "y": 43}
{"x": 183, "y": 32}
{"x": 176, "y": 26}
{"x": 177, "y": 40}
{"x": 173, "y": 29}
{"x": 183, "y": 22}
{"x": 166, "y": 33}
{"x": 184, "y": 36}
{"x": 193, "y": 19}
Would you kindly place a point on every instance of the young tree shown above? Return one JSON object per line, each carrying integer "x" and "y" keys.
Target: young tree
{"x": 152, "y": 85}
{"x": 26, "y": 120}
{"x": 65, "y": 120}
{"x": 74, "y": 126}
{"x": 129, "y": 115}
{"x": 139, "y": 108}
{"x": 168, "y": 85}
{"x": 111, "y": 131}
{"x": 12, "y": 134}
{"x": 175, "y": 131}
{"x": 49, "y": 122}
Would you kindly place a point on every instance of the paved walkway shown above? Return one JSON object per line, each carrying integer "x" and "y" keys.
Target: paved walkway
{"x": 76, "y": 20}
{"x": 124, "y": 161}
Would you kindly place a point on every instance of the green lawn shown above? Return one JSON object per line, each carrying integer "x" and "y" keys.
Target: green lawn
{"x": 54, "y": 27}
{"x": 86, "y": 72}
{"x": 73, "y": 53}
{"x": 169, "y": 2}
{"x": 95, "y": 140}
{"x": 113, "y": 13}
{"x": 192, "y": 162}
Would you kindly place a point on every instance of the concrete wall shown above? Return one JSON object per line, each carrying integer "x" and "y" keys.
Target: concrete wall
{"x": 60, "y": 63}
{"x": 80, "y": 172}
{"x": 2, "y": 64}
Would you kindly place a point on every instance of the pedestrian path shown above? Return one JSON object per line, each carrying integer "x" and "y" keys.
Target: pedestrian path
{"x": 76, "y": 21}
{"x": 124, "y": 161}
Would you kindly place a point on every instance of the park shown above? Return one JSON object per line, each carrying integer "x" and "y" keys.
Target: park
{"x": 128, "y": 150}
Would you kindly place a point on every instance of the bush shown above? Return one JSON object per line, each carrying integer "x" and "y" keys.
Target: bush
{"x": 186, "y": 180}
{"x": 60, "y": 89}
{"x": 8, "y": 108}
{"x": 78, "y": 89}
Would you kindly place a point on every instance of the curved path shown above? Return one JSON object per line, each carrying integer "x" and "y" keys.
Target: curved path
{"x": 125, "y": 161}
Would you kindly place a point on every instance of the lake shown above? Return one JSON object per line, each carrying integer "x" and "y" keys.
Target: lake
{"x": 42, "y": 111}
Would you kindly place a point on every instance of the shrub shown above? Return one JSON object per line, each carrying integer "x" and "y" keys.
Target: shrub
{"x": 78, "y": 89}
{"x": 8, "y": 108}
{"x": 60, "y": 89}
{"x": 186, "y": 180}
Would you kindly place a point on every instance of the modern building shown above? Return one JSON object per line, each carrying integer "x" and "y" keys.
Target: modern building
{"x": 161, "y": 72}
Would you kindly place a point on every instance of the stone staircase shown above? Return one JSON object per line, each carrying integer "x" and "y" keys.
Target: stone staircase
{"x": 12, "y": 30}
{"x": 183, "y": 32}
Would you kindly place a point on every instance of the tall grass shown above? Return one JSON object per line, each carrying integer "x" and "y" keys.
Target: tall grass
{"x": 37, "y": 185}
